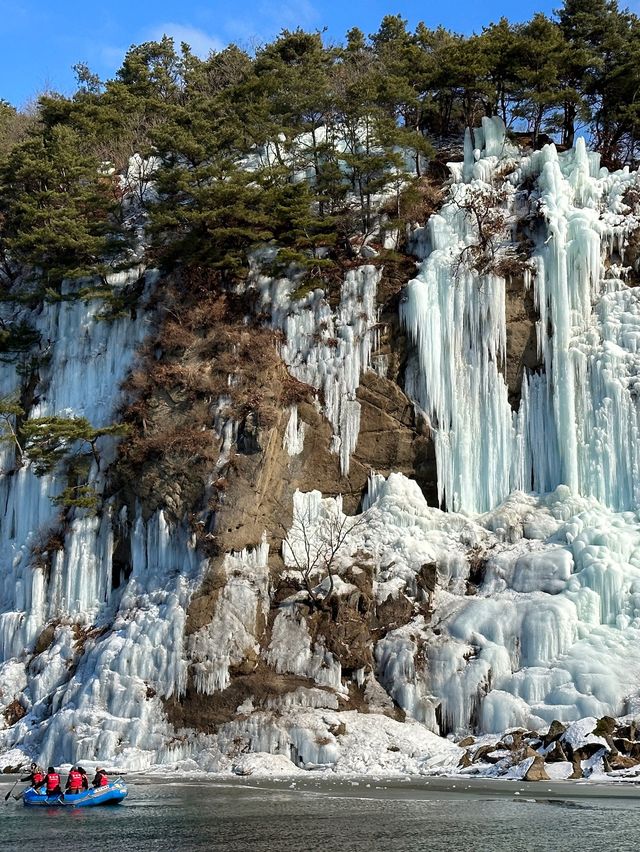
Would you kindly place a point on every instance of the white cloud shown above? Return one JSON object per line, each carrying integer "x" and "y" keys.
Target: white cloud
{"x": 290, "y": 14}
{"x": 201, "y": 42}
{"x": 269, "y": 18}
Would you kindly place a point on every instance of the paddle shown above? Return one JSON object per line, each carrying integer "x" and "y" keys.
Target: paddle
{"x": 20, "y": 794}
{"x": 6, "y": 798}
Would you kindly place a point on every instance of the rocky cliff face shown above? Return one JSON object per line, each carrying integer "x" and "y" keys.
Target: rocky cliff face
{"x": 347, "y": 520}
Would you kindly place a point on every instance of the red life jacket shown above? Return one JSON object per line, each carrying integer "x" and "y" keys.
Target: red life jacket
{"x": 104, "y": 781}
{"x": 75, "y": 780}
{"x": 38, "y": 778}
{"x": 53, "y": 780}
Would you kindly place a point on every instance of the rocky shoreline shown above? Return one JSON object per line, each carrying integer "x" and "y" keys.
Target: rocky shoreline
{"x": 586, "y": 748}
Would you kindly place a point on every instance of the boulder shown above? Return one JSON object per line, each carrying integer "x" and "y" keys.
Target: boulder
{"x": 514, "y": 740}
{"x": 605, "y": 726}
{"x": 623, "y": 744}
{"x": 556, "y": 730}
{"x": 466, "y": 741}
{"x": 536, "y": 771}
{"x": 465, "y": 761}
{"x": 577, "y": 768}
{"x": 556, "y": 754}
{"x": 627, "y": 732}
{"x": 483, "y": 751}
{"x": 621, "y": 761}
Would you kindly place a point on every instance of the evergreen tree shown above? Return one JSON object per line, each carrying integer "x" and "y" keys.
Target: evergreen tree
{"x": 48, "y": 441}
{"x": 55, "y": 206}
{"x": 541, "y": 49}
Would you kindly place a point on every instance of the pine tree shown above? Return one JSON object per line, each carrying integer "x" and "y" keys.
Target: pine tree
{"x": 55, "y": 207}
{"x": 48, "y": 441}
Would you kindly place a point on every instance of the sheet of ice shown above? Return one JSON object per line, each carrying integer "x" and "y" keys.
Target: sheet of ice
{"x": 83, "y": 360}
{"x": 578, "y": 420}
{"x": 551, "y": 632}
{"x": 327, "y": 350}
{"x": 293, "y": 440}
{"x": 234, "y": 632}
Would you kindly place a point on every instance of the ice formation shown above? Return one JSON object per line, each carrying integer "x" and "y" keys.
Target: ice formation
{"x": 535, "y": 614}
{"x": 564, "y": 432}
{"x": 327, "y": 350}
{"x": 129, "y": 630}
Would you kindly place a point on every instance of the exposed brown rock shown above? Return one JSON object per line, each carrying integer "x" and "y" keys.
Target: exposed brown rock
{"x": 628, "y": 732}
{"x": 466, "y": 741}
{"x": 605, "y": 726}
{"x": 45, "y": 639}
{"x": 465, "y": 761}
{"x": 481, "y": 753}
{"x": 623, "y": 745}
{"x": 203, "y": 603}
{"x": 393, "y": 612}
{"x": 536, "y": 771}
{"x": 557, "y": 753}
{"x": 556, "y": 730}
{"x": 522, "y": 347}
{"x": 391, "y": 438}
{"x": 347, "y": 634}
{"x": 207, "y": 712}
{"x": 621, "y": 761}
{"x": 14, "y": 712}
{"x": 514, "y": 740}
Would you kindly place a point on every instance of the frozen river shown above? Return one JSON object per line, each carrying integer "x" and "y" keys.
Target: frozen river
{"x": 318, "y": 814}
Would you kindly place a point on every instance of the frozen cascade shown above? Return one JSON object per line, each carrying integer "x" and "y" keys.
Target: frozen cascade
{"x": 233, "y": 634}
{"x": 136, "y": 650}
{"x": 545, "y": 499}
{"x": 327, "y": 350}
{"x": 293, "y": 440}
{"x": 111, "y": 697}
{"x": 578, "y": 421}
{"x": 455, "y": 316}
{"x": 83, "y": 361}
{"x": 552, "y": 632}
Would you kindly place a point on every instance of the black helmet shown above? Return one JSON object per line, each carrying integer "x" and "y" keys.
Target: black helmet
{"x": 34, "y": 765}
{"x": 51, "y": 769}
{"x": 81, "y": 771}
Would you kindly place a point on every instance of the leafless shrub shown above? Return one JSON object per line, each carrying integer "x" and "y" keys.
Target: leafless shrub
{"x": 314, "y": 546}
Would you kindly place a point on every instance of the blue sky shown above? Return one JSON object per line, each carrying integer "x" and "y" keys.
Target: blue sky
{"x": 42, "y": 39}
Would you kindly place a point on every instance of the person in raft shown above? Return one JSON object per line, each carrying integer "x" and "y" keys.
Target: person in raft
{"x": 74, "y": 781}
{"x": 100, "y": 779}
{"x": 52, "y": 782}
{"x": 35, "y": 777}
{"x": 85, "y": 780}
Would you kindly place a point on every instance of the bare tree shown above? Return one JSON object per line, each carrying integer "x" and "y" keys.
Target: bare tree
{"x": 11, "y": 412}
{"x": 483, "y": 206}
{"x": 314, "y": 544}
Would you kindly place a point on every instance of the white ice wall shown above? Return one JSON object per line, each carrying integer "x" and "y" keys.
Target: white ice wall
{"x": 327, "y": 349}
{"x": 578, "y": 421}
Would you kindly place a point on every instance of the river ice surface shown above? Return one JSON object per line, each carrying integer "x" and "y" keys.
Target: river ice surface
{"x": 349, "y": 815}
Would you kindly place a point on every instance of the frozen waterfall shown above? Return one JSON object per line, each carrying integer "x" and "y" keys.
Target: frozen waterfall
{"x": 578, "y": 421}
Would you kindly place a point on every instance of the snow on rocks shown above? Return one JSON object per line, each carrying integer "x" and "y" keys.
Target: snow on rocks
{"x": 580, "y": 734}
{"x": 264, "y": 765}
{"x": 375, "y": 744}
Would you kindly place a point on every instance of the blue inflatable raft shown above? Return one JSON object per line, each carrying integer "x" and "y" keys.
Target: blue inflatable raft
{"x": 112, "y": 794}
